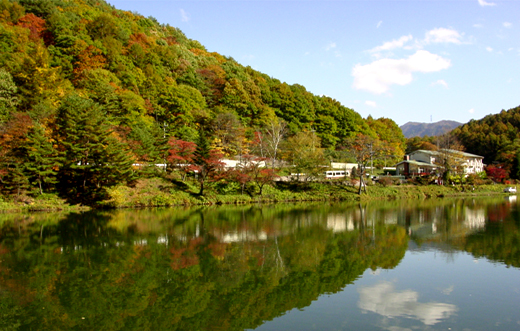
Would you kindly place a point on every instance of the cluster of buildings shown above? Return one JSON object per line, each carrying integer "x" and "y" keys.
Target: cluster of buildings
{"x": 418, "y": 163}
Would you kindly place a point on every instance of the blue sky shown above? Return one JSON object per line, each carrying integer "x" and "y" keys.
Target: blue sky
{"x": 420, "y": 60}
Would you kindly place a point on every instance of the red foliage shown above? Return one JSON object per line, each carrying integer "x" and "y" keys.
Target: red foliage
{"x": 180, "y": 154}
{"x": 497, "y": 172}
{"x": 12, "y": 136}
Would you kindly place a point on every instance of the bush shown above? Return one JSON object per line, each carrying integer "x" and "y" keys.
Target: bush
{"x": 385, "y": 181}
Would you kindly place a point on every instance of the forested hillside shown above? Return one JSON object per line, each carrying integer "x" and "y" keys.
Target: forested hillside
{"x": 87, "y": 90}
{"x": 496, "y": 137}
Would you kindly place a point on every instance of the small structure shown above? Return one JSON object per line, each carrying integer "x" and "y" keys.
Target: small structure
{"x": 410, "y": 168}
{"x": 510, "y": 189}
{"x": 233, "y": 164}
{"x": 336, "y": 174}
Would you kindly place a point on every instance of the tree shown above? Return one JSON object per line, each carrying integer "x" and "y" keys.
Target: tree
{"x": 253, "y": 169}
{"x": 451, "y": 159}
{"x": 94, "y": 158}
{"x": 305, "y": 154}
{"x": 229, "y": 134}
{"x": 262, "y": 177}
{"x": 12, "y": 138}
{"x": 181, "y": 155}
{"x": 497, "y": 172}
{"x": 363, "y": 148}
{"x": 268, "y": 140}
{"x": 8, "y": 99}
{"x": 41, "y": 158}
{"x": 391, "y": 136}
{"x": 206, "y": 161}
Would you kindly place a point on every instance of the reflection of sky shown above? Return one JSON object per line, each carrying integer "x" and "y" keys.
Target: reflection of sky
{"x": 383, "y": 299}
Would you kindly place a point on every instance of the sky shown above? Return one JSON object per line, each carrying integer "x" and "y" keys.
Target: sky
{"x": 408, "y": 60}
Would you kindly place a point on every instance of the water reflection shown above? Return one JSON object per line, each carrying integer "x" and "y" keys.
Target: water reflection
{"x": 384, "y": 300}
{"x": 235, "y": 267}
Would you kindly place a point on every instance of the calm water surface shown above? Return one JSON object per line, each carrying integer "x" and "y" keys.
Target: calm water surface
{"x": 416, "y": 265}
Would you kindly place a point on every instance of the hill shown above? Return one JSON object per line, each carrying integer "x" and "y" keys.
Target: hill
{"x": 85, "y": 87}
{"x": 415, "y": 129}
{"x": 496, "y": 137}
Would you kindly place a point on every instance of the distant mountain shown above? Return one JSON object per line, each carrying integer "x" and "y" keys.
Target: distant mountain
{"x": 415, "y": 129}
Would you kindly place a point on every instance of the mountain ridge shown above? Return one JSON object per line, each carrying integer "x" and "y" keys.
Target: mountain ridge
{"x": 418, "y": 129}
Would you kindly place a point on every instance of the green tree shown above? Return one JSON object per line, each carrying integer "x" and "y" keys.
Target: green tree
{"x": 41, "y": 158}
{"x": 8, "y": 99}
{"x": 305, "y": 154}
{"x": 94, "y": 159}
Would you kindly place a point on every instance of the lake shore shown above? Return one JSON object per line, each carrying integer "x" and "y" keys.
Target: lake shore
{"x": 157, "y": 192}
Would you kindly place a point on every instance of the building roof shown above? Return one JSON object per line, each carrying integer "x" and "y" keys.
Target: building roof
{"x": 452, "y": 151}
{"x": 418, "y": 163}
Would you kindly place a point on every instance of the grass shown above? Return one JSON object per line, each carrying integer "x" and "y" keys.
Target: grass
{"x": 155, "y": 192}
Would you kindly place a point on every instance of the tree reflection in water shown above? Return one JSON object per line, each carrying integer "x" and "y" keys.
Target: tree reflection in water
{"x": 226, "y": 268}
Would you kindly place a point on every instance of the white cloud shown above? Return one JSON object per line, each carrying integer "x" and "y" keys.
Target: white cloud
{"x": 443, "y": 35}
{"x": 471, "y": 111}
{"x": 478, "y": 25}
{"x": 441, "y": 82}
{"x": 185, "y": 17}
{"x": 489, "y": 49}
{"x": 371, "y": 103}
{"x": 330, "y": 46}
{"x": 483, "y": 3}
{"x": 378, "y": 76}
{"x": 386, "y": 301}
{"x": 447, "y": 291}
{"x": 379, "y": 24}
{"x": 507, "y": 25}
{"x": 392, "y": 44}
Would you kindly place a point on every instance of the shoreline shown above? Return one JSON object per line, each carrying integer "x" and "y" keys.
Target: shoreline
{"x": 159, "y": 193}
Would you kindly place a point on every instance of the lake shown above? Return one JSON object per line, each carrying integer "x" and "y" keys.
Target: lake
{"x": 448, "y": 264}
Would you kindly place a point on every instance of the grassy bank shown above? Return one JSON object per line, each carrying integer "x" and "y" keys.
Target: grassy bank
{"x": 156, "y": 192}
{"x": 44, "y": 202}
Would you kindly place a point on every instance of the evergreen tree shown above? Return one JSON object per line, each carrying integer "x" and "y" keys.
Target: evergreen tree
{"x": 8, "y": 91}
{"x": 15, "y": 182}
{"x": 93, "y": 158}
{"x": 41, "y": 158}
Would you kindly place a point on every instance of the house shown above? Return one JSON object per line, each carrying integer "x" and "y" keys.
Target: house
{"x": 424, "y": 162}
{"x": 409, "y": 167}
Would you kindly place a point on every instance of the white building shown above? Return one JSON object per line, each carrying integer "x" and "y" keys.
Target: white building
{"x": 424, "y": 161}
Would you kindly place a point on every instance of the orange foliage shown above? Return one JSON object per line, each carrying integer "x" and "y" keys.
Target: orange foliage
{"x": 198, "y": 51}
{"x": 35, "y": 24}
{"x": 139, "y": 38}
{"x": 90, "y": 58}
{"x": 217, "y": 249}
{"x": 185, "y": 257}
{"x": 171, "y": 40}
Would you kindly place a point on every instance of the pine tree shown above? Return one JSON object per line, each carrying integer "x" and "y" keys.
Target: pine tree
{"x": 93, "y": 158}
{"x": 42, "y": 160}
